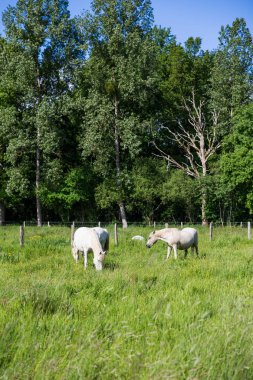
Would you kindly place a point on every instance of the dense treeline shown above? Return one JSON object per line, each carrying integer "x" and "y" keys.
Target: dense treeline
{"x": 108, "y": 117}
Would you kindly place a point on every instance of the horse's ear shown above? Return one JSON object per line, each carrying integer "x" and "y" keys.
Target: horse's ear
{"x": 153, "y": 232}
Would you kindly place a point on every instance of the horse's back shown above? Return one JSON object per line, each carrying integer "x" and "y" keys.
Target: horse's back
{"x": 83, "y": 232}
{"x": 188, "y": 237}
{"x": 101, "y": 232}
{"x": 169, "y": 235}
{"x": 84, "y": 238}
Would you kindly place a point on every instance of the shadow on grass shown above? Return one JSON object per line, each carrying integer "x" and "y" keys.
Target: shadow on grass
{"x": 202, "y": 256}
{"x": 111, "y": 266}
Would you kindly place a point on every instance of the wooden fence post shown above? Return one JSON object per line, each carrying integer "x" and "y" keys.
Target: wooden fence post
{"x": 116, "y": 234}
{"x": 211, "y": 230}
{"x": 72, "y": 233}
{"x": 154, "y": 224}
{"x": 48, "y": 224}
{"x": 249, "y": 228}
{"x": 24, "y": 224}
{"x": 21, "y": 236}
{"x": 99, "y": 224}
{"x": 166, "y": 225}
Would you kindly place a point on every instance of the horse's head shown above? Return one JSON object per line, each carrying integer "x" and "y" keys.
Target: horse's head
{"x": 98, "y": 260}
{"x": 152, "y": 239}
{"x": 74, "y": 251}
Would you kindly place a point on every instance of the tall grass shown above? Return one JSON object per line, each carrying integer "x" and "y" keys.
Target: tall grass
{"x": 142, "y": 317}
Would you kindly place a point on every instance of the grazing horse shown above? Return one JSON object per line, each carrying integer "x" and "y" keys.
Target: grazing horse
{"x": 103, "y": 236}
{"x": 86, "y": 240}
{"x": 176, "y": 239}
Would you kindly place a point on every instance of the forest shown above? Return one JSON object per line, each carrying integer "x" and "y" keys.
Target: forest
{"x": 106, "y": 116}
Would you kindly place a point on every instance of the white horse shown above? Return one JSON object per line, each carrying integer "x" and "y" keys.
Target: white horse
{"x": 86, "y": 240}
{"x": 103, "y": 236}
{"x": 176, "y": 239}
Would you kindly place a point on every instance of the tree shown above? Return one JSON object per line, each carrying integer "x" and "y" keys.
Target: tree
{"x": 45, "y": 39}
{"x": 197, "y": 142}
{"x": 183, "y": 69}
{"x": 11, "y": 86}
{"x": 232, "y": 72}
{"x": 3, "y": 47}
{"x": 237, "y": 159}
{"x": 121, "y": 74}
{"x": 180, "y": 197}
{"x": 147, "y": 178}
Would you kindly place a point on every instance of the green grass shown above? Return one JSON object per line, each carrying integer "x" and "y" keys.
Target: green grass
{"x": 142, "y": 317}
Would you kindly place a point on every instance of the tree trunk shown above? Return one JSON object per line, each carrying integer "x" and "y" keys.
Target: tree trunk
{"x": 204, "y": 172}
{"x": 118, "y": 171}
{"x": 203, "y": 209}
{"x": 2, "y": 214}
{"x": 37, "y": 185}
{"x": 38, "y": 153}
{"x": 123, "y": 214}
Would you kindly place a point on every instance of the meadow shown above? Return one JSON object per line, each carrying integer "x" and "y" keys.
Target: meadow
{"x": 142, "y": 317}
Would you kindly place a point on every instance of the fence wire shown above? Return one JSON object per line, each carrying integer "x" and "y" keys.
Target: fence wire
{"x": 118, "y": 234}
{"x": 157, "y": 225}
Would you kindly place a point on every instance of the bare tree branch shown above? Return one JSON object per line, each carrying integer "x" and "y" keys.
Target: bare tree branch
{"x": 197, "y": 143}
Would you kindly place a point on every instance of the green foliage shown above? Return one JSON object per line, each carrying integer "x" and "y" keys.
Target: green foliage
{"x": 117, "y": 107}
{"x": 107, "y": 194}
{"x": 82, "y": 100}
{"x": 68, "y": 190}
{"x": 237, "y": 160}
{"x": 183, "y": 70}
{"x": 156, "y": 191}
{"x": 181, "y": 197}
{"x": 193, "y": 46}
{"x": 147, "y": 178}
{"x": 232, "y": 71}
{"x": 36, "y": 66}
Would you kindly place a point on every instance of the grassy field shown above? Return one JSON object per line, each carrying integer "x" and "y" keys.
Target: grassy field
{"x": 142, "y": 317}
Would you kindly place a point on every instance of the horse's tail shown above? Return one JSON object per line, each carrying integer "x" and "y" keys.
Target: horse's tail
{"x": 106, "y": 247}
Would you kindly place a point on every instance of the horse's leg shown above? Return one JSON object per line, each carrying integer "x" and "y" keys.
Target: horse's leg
{"x": 85, "y": 259}
{"x": 168, "y": 251}
{"x": 185, "y": 252}
{"x": 175, "y": 250}
{"x": 197, "y": 250}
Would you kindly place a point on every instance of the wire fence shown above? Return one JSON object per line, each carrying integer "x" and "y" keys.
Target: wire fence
{"x": 157, "y": 225}
{"x": 119, "y": 234}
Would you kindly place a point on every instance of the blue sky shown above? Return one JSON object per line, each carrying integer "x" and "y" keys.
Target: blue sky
{"x": 197, "y": 18}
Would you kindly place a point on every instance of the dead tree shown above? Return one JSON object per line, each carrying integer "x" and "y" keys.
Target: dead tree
{"x": 197, "y": 141}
